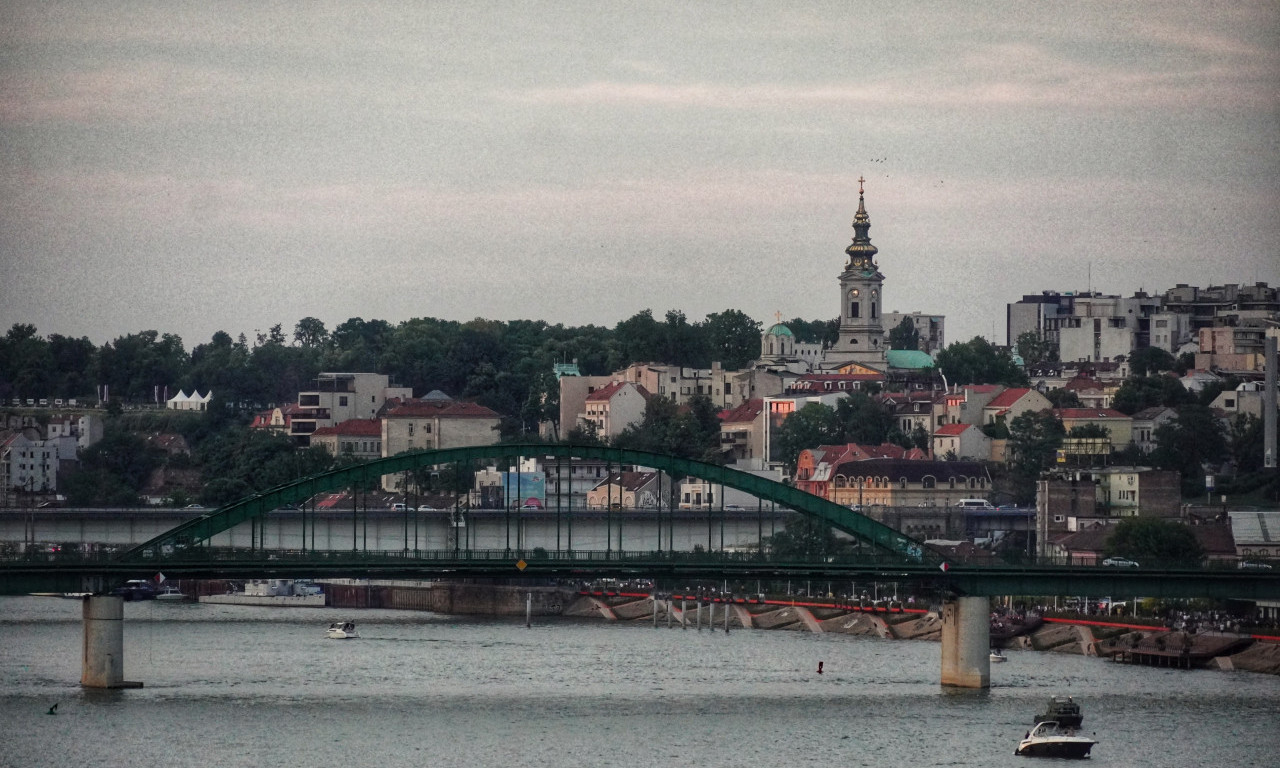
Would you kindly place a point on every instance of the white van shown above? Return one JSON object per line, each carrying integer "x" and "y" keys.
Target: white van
{"x": 975, "y": 504}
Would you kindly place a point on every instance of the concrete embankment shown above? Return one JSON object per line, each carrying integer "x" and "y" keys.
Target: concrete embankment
{"x": 1148, "y": 645}
{"x": 1123, "y": 642}
{"x": 443, "y": 597}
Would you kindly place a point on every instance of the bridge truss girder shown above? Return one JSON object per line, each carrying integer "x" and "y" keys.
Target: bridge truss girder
{"x": 878, "y": 536}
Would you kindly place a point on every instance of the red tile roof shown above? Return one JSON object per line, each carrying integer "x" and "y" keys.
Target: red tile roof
{"x": 1008, "y": 397}
{"x": 1081, "y": 384}
{"x": 607, "y": 392}
{"x": 450, "y": 409}
{"x": 1088, "y": 413}
{"x": 952, "y": 429}
{"x": 352, "y": 428}
{"x": 748, "y": 411}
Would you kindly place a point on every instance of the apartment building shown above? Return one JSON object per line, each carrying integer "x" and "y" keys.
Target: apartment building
{"x": 338, "y": 397}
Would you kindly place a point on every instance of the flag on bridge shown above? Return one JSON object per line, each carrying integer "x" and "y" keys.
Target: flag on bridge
{"x": 945, "y": 567}
{"x": 159, "y": 578}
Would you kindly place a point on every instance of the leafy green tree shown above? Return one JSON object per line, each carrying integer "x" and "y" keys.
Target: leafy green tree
{"x": 813, "y": 425}
{"x": 276, "y": 373}
{"x": 1089, "y": 431}
{"x": 1209, "y": 392}
{"x": 863, "y": 420}
{"x": 26, "y": 363}
{"x": 640, "y": 338}
{"x": 904, "y": 336}
{"x": 996, "y": 430}
{"x": 804, "y": 539}
{"x": 825, "y": 332}
{"x": 733, "y": 338}
{"x": 1246, "y": 441}
{"x": 222, "y": 367}
{"x": 1138, "y": 393}
{"x": 134, "y": 366}
{"x": 1034, "y": 440}
{"x": 72, "y": 360}
{"x": 1034, "y": 349}
{"x": 239, "y": 461}
{"x": 921, "y": 439}
{"x": 310, "y": 332}
{"x": 683, "y": 344}
{"x": 112, "y": 471}
{"x": 1154, "y": 541}
{"x": 1150, "y": 361}
{"x": 977, "y": 361}
{"x": 583, "y": 434}
{"x": 1188, "y": 443}
{"x": 692, "y": 431}
{"x": 1061, "y": 397}
{"x": 357, "y": 345}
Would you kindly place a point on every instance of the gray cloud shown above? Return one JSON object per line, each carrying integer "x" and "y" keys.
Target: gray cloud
{"x": 195, "y": 168}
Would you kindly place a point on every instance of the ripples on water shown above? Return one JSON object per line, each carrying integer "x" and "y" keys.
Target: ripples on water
{"x": 240, "y": 686}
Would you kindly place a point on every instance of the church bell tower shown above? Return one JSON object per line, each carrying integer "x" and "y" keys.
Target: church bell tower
{"x": 862, "y": 337}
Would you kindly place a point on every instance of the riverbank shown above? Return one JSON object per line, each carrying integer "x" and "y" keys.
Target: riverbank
{"x": 1153, "y": 646}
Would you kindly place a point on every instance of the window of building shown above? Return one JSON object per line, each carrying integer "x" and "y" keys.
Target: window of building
{"x": 342, "y": 401}
{"x": 1059, "y": 518}
{"x": 853, "y": 309}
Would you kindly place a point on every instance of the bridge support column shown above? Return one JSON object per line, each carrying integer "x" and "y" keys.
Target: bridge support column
{"x": 102, "y": 660}
{"x": 966, "y": 643}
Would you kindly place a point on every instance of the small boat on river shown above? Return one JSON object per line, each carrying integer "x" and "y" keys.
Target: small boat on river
{"x": 171, "y": 594}
{"x": 342, "y": 630}
{"x": 997, "y": 656}
{"x": 1048, "y": 739}
{"x": 1062, "y": 710}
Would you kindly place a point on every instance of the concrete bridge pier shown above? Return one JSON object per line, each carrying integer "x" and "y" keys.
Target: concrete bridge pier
{"x": 966, "y": 643}
{"x": 102, "y": 660}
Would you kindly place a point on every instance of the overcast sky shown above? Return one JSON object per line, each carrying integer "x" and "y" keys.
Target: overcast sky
{"x": 194, "y": 167}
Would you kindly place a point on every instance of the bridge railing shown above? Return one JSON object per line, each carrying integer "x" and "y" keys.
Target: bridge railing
{"x": 83, "y": 558}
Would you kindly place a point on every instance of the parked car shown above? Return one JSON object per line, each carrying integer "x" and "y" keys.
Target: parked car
{"x": 1120, "y": 562}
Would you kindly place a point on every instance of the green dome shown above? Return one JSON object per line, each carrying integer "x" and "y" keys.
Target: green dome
{"x": 909, "y": 359}
{"x": 778, "y": 329}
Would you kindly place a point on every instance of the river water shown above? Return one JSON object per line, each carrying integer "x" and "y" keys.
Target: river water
{"x": 245, "y": 686}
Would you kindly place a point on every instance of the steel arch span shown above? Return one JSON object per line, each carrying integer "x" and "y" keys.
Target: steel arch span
{"x": 877, "y": 535}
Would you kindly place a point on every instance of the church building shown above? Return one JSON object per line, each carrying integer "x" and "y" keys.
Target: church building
{"x": 862, "y": 335}
{"x": 862, "y": 345}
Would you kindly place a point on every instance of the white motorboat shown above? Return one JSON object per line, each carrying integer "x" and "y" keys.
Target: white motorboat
{"x": 171, "y": 595}
{"x": 997, "y": 656}
{"x": 342, "y": 630}
{"x": 1047, "y": 739}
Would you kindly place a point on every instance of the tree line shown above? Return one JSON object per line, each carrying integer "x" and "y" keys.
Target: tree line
{"x": 502, "y": 365}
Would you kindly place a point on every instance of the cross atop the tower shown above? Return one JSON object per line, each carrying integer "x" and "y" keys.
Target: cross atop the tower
{"x": 778, "y": 316}
{"x": 860, "y": 180}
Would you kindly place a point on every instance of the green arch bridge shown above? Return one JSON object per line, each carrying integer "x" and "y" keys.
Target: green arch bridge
{"x": 881, "y": 553}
